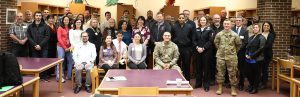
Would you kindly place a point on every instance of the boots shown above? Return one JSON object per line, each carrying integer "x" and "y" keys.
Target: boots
{"x": 219, "y": 91}
{"x": 233, "y": 91}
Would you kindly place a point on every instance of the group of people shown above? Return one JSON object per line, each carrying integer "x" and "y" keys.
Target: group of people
{"x": 221, "y": 48}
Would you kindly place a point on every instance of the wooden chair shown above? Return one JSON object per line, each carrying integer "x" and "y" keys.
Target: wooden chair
{"x": 94, "y": 79}
{"x": 138, "y": 91}
{"x": 274, "y": 63}
{"x": 100, "y": 71}
{"x": 296, "y": 87}
{"x": 284, "y": 64}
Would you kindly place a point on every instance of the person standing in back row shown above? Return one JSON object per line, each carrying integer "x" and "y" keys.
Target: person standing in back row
{"x": 183, "y": 34}
{"x": 243, "y": 34}
{"x": 228, "y": 44}
{"x": 17, "y": 32}
{"x": 203, "y": 46}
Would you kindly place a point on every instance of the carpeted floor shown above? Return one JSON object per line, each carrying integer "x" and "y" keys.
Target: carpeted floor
{"x": 49, "y": 89}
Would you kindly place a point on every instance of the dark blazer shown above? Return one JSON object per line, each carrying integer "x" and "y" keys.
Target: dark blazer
{"x": 243, "y": 36}
{"x": 269, "y": 45}
{"x": 157, "y": 33}
{"x": 38, "y": 35}
{"x": 95, "y": 37}
{"x": 203, "y": 38}
{"x": 256, "y": 47}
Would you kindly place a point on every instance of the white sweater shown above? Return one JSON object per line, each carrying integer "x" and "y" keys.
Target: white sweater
{"x": 74, "y": 37}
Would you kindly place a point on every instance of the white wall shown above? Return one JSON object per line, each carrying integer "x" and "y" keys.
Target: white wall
{"x": 296, "y": 4}
{"x": 142, "y": 6}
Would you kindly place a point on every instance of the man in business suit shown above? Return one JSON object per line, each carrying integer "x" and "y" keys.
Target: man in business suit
{"x": 243, "y": 34}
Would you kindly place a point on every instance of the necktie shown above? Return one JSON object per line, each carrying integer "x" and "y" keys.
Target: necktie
{"x": 119, "y": 57}
{"x": 237, "y": 30}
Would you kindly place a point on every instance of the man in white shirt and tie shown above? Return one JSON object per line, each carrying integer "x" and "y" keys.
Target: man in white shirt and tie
{"x": 243, "y": 34}
{"x": 84, "y": 55}
{"x": 121, "y": 49}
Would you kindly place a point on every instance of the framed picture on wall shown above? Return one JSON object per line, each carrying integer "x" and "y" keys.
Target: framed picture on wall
{"x": 10, "y": 15}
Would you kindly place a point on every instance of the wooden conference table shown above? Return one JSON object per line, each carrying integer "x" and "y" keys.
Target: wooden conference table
{"x": 144, "y": 78}
{"x": 26, "y": 82}
{"x": 36, "y": 66}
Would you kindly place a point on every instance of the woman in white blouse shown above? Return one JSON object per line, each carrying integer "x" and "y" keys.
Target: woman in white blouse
{"x": 74, "y": 34}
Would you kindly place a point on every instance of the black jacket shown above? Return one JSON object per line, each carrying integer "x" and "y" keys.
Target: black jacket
{"x": 109, "y": 31}
{"x": 157, "y": 33}
{"x": 95, "y": 37}
{"x": 203, "y": 38}
{"x": 256, "y": 47}
{"x": 9, "y": 70}
{"x": 182, "y": 36}
{"x": 150, "y": 22}
{"x": 243, "y": 36}
{"x": 269, "y": 45}
{"x": 38, "y": 35}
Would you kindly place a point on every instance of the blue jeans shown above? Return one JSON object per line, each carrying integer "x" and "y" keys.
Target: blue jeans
{"x": 66, "y": 55}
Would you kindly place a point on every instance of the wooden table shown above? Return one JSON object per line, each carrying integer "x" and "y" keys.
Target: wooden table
{"x": 36, "y": 66}
{"x": 144, "y": 78}
{"x": 26, "y": 82}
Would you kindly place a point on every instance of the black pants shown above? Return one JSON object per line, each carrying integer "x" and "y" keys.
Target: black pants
{"x": 97, "y": 57}
{"x": 253, "y": 72}
{"x": 20, "y": 50}
{"x": 264, "y": 70}
{"x": 203, "y": 69}
{"x": 184, "y": 63}
{"x": 106, "y": 67}
{"x": 213, "y": 65}
{"x": 241, "y": 67}
{"x": 142, "y": 65}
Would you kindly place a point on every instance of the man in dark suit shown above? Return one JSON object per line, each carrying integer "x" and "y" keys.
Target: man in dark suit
{"x": 243, "y": 34}
{"x": 217, "y": 27}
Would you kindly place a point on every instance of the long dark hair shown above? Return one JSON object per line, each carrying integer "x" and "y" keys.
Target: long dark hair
{"x": 139, "y": 33}
{"x": 142, "y": 18}
{"x": 271, "y": 27}
{"x": 121, "y": 23}
{"x": 105, "y": 45}
{"x": 78, "y": 16}
{"x": 74, "y": 24}
{"x": 62, "y": 24}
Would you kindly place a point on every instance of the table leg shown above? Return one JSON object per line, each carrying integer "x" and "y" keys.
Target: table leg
{"x": 273, "y": 76}
{"x": 60, "y": 78}
{"x": 189, "y": 93}
{"x": 36, "y": 88}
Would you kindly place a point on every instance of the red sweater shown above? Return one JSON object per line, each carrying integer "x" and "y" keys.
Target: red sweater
{"x": 63, "y": 37}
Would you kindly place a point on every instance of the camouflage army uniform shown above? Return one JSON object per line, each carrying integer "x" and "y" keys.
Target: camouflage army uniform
{"x": 166, "y": 54}
{"x": 228, "y": 44}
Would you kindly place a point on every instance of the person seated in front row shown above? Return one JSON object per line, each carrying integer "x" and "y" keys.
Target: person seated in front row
{"x": 121, "y": 49}
{"x": 84, "y": 55}
{"x": 137, "y": 53}
{"x": 108, "y": 55}
{"x": 166, "y": 54}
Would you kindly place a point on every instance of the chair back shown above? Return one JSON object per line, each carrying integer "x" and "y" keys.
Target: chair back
{"x": 138, "y": 91}
{"x": 283, "y": 63}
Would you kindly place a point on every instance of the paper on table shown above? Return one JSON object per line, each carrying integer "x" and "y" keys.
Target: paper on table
{"x": 169, "y": 82}
{"x": 5, "y": 88}
{"x": 116, "y": 78}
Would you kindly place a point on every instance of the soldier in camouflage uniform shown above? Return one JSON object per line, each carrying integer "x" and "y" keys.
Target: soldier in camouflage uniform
{"x": 166, "y": 54}
{"x": 227, "y": 43}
